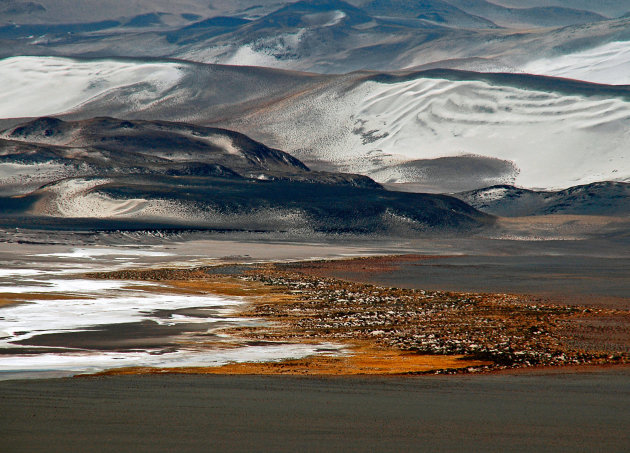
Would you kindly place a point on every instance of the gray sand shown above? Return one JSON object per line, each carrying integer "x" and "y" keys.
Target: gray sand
{"x": 567, "y": 279}
{"x": 544, "y": 412}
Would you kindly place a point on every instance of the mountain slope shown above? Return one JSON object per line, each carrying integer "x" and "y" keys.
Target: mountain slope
{"x": 156, "y": 141}
{"x": 548, "y": 133}
{"x": 606, "y": 63}
{"x": 227, "y": 204}
{"x": 433, "y": 10}
{"x": 109, "y": 173}
{"x": 603, "y": 198}
{"x": 326, "y": 36}
{"x": 610, "y": 8}
{"x": 108, "y": 147}
{"x": 539, "y": 16}
{"x": 159, "y": 89}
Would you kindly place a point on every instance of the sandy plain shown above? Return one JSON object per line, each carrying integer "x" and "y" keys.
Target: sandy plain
{"x": 542, "y": 409}
{"x": 546, "y": 412}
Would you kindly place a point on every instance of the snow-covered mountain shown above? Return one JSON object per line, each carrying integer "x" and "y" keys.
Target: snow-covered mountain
{"x": 546, "y": 133}
{"x": 609, "y": 8}
{"x": 608, "y": 63}
{"x": 437, "y": 96}
{"x": 35, "y": 86}
{"x": 414, "y": 128}
{"x": 324, "y": 36}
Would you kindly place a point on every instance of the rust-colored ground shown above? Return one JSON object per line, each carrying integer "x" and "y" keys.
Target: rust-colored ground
{"x": 223, "y": 286}
{"x": 364, "y": 360}
{"x": 361, "y": 265}
{"x": 394, "y": 330}
{"x": 19, "y": 298}
{"x": 4, "y": 302}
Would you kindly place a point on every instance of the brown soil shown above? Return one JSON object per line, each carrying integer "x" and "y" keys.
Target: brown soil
{"x": 19, "y": 298}
{"x": 362, "y": 265}
{"x": 4, "y": 302}
{"x": 365, "y": 360}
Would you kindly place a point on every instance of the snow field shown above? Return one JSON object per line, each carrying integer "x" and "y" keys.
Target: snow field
{"x": 39, "y": 86}
{"x": 555, "y": 140}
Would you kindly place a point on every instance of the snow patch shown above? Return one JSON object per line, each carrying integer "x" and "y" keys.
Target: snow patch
{"x": 73, "y": 198}
{"x": 494, "y": 194}
{"x": 609, "y": 64}
{"x": 38, "y": 86}
{"x": 98, "y": 304}
{"x": 226, "y": 143}
{"x": 326, "y": 19}
{"x": 95, "y": 253}
{"x": 279, "y": 51}
{"x": 92, "y": 362}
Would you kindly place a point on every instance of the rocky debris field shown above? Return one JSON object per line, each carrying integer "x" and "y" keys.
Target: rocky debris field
{"x": 506, "y": 331}
{"x": 510, "y": 331}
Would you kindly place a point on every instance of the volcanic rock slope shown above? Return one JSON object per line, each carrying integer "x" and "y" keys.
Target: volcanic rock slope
{"x": 109, "y": 173}
{"x": 601, "y": 199}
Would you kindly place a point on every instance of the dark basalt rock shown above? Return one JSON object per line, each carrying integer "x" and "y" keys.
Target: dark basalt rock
{"x": 601, "y": 198}
{"x": 222, "y": 180}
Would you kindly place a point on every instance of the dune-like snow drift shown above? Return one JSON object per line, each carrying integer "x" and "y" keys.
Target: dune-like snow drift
{"x": 37, "y": 86}
{"x": 523, "y": 130}
{"x": 608, "y": 63}
{"x": 554, "y": 140}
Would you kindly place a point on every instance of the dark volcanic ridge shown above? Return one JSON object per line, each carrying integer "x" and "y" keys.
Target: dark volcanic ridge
{"x": 111, "y": 173}
{"x": 152, "y": 146}
{"x": 606, "y": 198}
